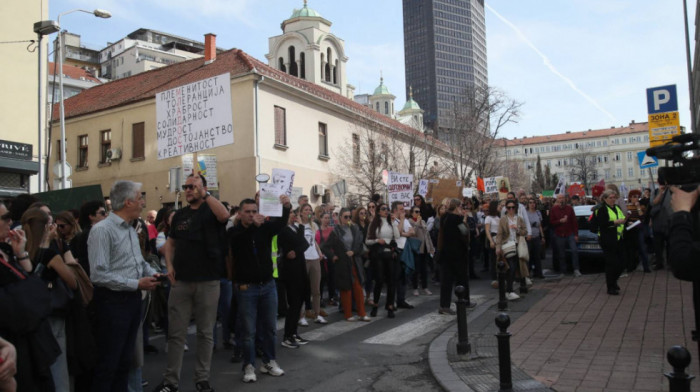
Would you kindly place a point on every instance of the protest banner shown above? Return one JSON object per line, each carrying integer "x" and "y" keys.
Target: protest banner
{"x": 284, "y": 178}
{"x": 207, "y": 168}
{"x": 194, "y": 117}
{"x": 270, "y": 199}
{"x": 294, "y": 198}
{"x": 423, "y": 187}
{"x": 400, "y": 188}
{"x": 490, "y": 185}
{"x": 503, "y": 187}
{"x": 444, "y": 188}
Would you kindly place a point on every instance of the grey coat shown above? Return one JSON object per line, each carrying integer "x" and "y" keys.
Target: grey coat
{"x": 344, "y": 263}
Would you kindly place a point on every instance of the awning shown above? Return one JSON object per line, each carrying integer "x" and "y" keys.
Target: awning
{"x": 19, "y": 166}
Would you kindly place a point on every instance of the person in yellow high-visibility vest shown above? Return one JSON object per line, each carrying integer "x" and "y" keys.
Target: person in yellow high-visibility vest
{"x": 611, "y": 223}
{"x": 281, "y": 292}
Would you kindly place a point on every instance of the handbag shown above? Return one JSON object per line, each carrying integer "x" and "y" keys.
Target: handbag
{"x": 523, "y": 253}
{"x": 509, "y": 249}
{"x": 61, "y": 295}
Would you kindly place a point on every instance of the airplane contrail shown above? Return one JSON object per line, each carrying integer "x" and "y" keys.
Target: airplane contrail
{"x": 549, "y": 65}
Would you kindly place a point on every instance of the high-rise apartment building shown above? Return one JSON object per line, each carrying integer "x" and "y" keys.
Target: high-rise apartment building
{"x": 445, "y": 54}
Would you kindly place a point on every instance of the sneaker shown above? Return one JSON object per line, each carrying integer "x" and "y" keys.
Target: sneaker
{"x": 577, "y": 273}
{"x": 365, "y": 318}
{"x": 427, "y": 292}
{"x": 624, "y": 275}
{"x": 494, "y": 284}
{"x": 203, "y": 386}
{"x": 320, "y": 320}
{"x": 165, "y": 387}
{"x": 303, "y": 322}
{"x": 446, "y": 311}
{"x": 512, "y": 296}
{"x": 416, "y": 293}
{"x": 290, "y": 343}
{"x": 271, "y": 368}
{"x": 351, "y": 319}
{"x": 299, "y": 340}
{"x": 249, "y": 374}
{"x": 144, "y": 383}
{"x": 186, "y": 347}
{"x": 528, "y": 282}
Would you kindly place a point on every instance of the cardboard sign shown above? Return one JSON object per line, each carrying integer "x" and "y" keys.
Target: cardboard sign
{"x": 400, "y": 188}
{"x": 441, "y": 189}
{"x": 284, "y": 178}
{"x": 503, "y": 187}
{"x": 207, "y": 167}
{"x": 423, "y": 187}
{"x": 490, "y": 185}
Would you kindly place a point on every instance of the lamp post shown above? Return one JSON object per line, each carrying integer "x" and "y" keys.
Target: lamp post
{"x": 42, "y": 28}
{"x": 100, "y": 14}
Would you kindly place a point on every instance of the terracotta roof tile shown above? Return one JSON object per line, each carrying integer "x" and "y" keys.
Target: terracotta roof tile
{"x": 74, "y": 72}
{"x": 582, "y": 135}
{"x": 145, "y": 85}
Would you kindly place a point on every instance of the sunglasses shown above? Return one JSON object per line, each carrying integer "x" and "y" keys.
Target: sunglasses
{"x": 372, "y": 207}
{"x": 510, "y": 208}
{"x": 61, "y": 225}
{"x": 346, "y": 217}
{"x": 383, "y": 209}
{"x": 6, "y": 217}
{"x": 416, "y": 212}
{"x": 187, "y": 186}
{"x": 103, "y": 213}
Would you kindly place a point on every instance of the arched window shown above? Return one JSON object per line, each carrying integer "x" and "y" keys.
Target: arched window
{"x": 293, "y": 69}
{"x": 281, "y": 65}
{"x": 378, "y": 108}
{"x": 322, "y": 57}
{"x": 302, "y": 60}
{"x": 386, "y": 107}
{"x": 335, "y": 72}
{"x": 328, "y": 66}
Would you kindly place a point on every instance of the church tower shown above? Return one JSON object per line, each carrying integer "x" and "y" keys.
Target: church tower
{"x": 307, "y": 49}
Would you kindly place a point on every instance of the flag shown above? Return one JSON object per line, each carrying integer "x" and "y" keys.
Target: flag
{"x": 598, "y": 188}
{"x": 480, "y": 184}
{"x": 561, "y": 187}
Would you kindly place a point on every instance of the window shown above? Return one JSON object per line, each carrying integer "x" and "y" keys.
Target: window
{"x": 617, "y": 156}
{"x": 355, "y": 150}
{"x": 630, "y": 155}
{"x": 386, "y": 108}
{"x": 607, "y": 174}
{"x": 322, "y": 140}
{"x": 618, "y": 173}
{"x": 630, "y": 172}
{"x": 377, "y": 105}
{"x": 280, "y": 126}
{"x": 106, "y": 140}
{"x": 82, "y": 151}
{"x": 137, "y": 133}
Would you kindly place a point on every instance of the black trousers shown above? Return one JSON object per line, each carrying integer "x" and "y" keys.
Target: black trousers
{"x": 614, "y": 264}
{"x": 383, "y": 272}
{"x": 451, "y": 274}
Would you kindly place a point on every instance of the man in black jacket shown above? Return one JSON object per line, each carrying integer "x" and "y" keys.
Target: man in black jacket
{"x": 251, "y": 241}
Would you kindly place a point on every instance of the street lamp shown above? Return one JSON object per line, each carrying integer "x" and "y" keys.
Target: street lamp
{"x": 45, "y": 27}
{"x": 100, "y": 14}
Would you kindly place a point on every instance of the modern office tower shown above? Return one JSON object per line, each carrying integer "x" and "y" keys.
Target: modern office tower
{"x": 445, "y": 54}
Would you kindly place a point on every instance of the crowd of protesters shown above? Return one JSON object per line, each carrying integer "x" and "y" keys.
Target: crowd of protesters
{"x": 86, "y": 287}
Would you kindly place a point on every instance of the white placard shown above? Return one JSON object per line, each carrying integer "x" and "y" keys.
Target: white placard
{"x": 400, "y": 188}
{"x": 490, "y": 185}
{"x": 284, "y": 178}
{"x": 423, "y": 187}
{"x": 467, "y": 192}
{"x": 294, "y": 198}
{"x": 270, "y": 204}
{"x": 194, "y": 117}
{"x": 207, "y": 165}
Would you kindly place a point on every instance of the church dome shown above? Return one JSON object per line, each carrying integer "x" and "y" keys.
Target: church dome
{"x": 305, "y": 12}
{"x": 411, "y": 105}
{"x": 381, "y": 89}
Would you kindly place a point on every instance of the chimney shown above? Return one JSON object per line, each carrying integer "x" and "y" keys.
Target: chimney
{"x": 209, "y": 48}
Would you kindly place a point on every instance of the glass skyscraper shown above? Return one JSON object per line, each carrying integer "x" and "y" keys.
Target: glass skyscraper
{"x": 445, "y": 54}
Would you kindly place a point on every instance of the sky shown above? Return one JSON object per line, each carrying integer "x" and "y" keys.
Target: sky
{"x": 573, "y": 64}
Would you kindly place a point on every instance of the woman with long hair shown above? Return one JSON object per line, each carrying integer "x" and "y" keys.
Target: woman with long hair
{"x": 426, "y": 249}
{"x": 66, "y": 227}
{"x": 346, "y": 242}
{"x": 510, "y": 228}
{"x": 328, "y": 259}
{"x": 50, "y": 267}
{"x": 534, "y": 245}
{"x": 381, "y": 238}
{"x": 360, "y": 217}
{"x": 313, "y": 264}
{"x": 371, "y": 210}
{"x": 453, "y": 243}
{"x": 493, "y": 218}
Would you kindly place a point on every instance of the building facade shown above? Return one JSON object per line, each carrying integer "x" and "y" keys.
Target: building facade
{"x": 445, "y": 54}
{"x": 614, "y": 151}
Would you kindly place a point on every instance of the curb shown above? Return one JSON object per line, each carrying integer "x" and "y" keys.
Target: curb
{"x": 437, "y": 353}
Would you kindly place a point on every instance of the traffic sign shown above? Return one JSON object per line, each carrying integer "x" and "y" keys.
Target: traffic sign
{"x": 646, "y": 161}
{"x": 662, "y": 99}
{"x": 663, "y": 127}
{"x": 57, "y": 169}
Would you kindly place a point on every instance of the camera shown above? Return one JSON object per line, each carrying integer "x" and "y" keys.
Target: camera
{"x": 686, "y": 171}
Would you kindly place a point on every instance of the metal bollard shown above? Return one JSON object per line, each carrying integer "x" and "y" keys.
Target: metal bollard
{"x": 502, "y": 302}
{"x": 503, "y": 322}
{"x": 463, "y": 346}
{"x": 678, "y": 379}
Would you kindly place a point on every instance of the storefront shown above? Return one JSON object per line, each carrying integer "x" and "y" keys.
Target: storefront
{"x": 16, "y": 166}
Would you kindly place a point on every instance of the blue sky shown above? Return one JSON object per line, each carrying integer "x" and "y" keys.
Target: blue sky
{"x": 575, "y": 64}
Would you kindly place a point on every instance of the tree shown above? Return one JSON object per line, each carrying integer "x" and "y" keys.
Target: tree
{"x": 582, "y": 166}
{"x": 361, "y": 159}
{"x": 550, "y": 180}
{"x": 538, "y": 183}
{"x": 472, "y": 129}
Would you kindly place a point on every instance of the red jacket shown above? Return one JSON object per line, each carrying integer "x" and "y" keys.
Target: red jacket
{"x": 570, "y": 227}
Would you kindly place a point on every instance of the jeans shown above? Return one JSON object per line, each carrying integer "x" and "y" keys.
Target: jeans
{"x": 421, "y": 270}
{"x": 59, "y": 369}
{"x": 117, "y": 319}
{"x": 384, "y": 274}
{"x": 223, "y": 309}
{"x": 559, "y": 245}
{"x": 534, "y": 247}
{"x": 257, "y": 307}
{"x": 187, "y": 299}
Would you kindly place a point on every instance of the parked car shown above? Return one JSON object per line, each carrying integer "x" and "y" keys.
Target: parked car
{"x": 590, "y": 254}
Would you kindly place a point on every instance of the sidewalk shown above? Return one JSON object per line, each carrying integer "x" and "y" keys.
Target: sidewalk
{"x": 570, "y": 335}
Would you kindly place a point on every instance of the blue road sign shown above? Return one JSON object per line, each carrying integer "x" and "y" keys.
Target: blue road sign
{"x": 662, "y": 99}
{"x": 645, "y": 161}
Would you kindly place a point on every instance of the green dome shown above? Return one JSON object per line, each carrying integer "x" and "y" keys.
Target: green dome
{"x": 411, "y": 105}
{"x": 381, "y": 89}
{"x": 305, "y": 11}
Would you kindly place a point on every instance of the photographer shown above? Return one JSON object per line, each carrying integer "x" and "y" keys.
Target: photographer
{"x": 684, "y": 243}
